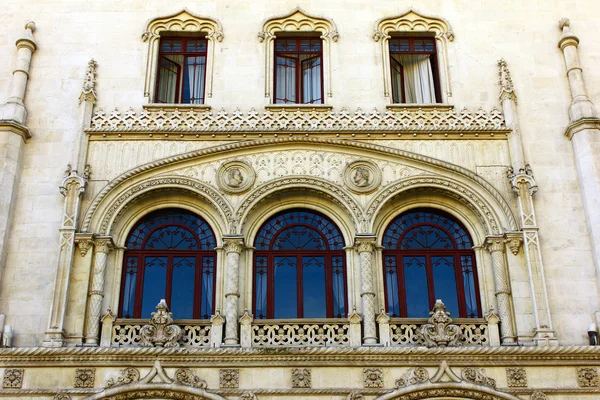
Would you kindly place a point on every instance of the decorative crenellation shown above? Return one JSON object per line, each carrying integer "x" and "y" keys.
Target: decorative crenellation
{"x": 440, "y": 331}
{"x": 301, "y": 378}
{"x": 13, "y": 378}
{"x": 161, "y": 332}
{"x": 229, "y": 378}
{"x": 478, "y": 377}
{"x": 85, "y": 378}
{"x": 587, "y": 377}
{"x": 412, "y": 377}
{"x": 516, "y": 377}
{"x": 224, "y": 123}
{"x": 373, "y": 378}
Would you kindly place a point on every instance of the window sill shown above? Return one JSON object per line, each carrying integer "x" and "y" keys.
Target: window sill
{"x": 173, "y": 107}
{"x": 299, "y": 107}
{"x": 413, "y": 106}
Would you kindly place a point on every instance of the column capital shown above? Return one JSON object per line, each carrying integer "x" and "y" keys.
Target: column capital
{"x": 522, "y": 180}
{"x": 494, "y": 244}
{"x": 103, "y": 244}
{"x": 514, "y": 241}
{"x": 84, "y": 241}
{"x": 366, "y": 243}
{"x": 233, "y": 243}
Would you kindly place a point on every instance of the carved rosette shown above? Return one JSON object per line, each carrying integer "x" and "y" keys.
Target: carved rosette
{"x": 301, "y": 378}
{"x": 373, "y": 377}
{"x": 538, "y": 396}
{"x": 587, "y": 377}
{"x": 229, "y": 378}
{"x": 440, "y": 331}
{"x": 235, "y": 177}
{"x": 160, "y": 332}
{"x": 516, "y": 377}
{"x": 13, "y": 378}
{"x": 362, "y": 176}
{"x": 85, "y": 378}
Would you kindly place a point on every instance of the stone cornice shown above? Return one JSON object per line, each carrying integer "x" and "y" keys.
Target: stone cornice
{"x": 321, "y": 356}
{"x": 15, "y": 127}
{"x": 581, "y": 125}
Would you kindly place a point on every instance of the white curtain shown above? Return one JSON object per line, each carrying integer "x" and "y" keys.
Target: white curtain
{"x": 286, "y": 80}
{"x": 167, "y": 85}
{"x": 418, "y": 78}
{"x": 195, "y": 72}
{"x": 311, "y": 76}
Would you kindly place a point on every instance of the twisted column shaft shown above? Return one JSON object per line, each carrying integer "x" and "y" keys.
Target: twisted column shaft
{"x": 102, "y": 247}
{"x": 365, "y": 247}
{"x": 233, "y": 247}
{"x": 495, "y": 245}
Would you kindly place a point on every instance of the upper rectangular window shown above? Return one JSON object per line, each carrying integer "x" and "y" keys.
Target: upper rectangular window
{"x": 181, "y": 70}
{"x": 414, "y": 69}
{"x": 298, "y": 70}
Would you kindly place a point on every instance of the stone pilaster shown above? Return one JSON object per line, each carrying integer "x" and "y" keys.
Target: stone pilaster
{"x": 102, "y": 246}
{"x": 584, "y": 133}
{"x": 365, "y": 246}
{"x": 496, "y": 246}
{"x": 72, "y": 188}
{"x": 233, "y": 246}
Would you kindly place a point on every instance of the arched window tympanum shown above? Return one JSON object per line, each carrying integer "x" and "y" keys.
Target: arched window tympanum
{"x": 299, "y": 267}
{"x": 427, "y": 256}
{"x": 170, "y": 255}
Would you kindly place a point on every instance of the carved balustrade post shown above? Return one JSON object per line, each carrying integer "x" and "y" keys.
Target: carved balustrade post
{"x": 102, "y": 246}
{"x": 365, "y": 245}
{"x": 496, "y": 246}
{"x": 233, "y": 246}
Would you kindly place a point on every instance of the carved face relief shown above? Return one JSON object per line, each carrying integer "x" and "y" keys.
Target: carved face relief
{"x": 235, "y": 177}
{"x": 362, "y": 176}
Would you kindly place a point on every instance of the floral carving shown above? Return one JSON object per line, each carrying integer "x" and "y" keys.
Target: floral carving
{"x": 62, "y": 396}
{"x": 373, "y": 377}
{"x": 126, "y": 376}
{"x": 412, "y": 377}
{"x": 478, "y": 377}
{"x": 516, "y": 377}
{"x": 187, "y": 377}
{"x": 13, "y": 378}
{"x": 229, "y": 378}
{"x": 161, "y": 332}
{"x": 587, "y": 377}
{"x": 84, "y": 378}
{"x": 301, "y": 378}
{"x": 248, "y": 396}
{"x": 538, "y": 396}
{"x": 355, "y": 396}
{"x": 440, "y": 331}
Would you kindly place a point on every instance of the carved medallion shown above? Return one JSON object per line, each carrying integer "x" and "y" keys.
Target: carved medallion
{"x": 362, "y": 176}
{"x": 587, "y": 377}
{"x": 235, "y": 177}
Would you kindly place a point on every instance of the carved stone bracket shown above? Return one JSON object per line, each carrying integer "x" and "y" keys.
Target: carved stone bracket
{"x": 440, "y": 331}
{"x": 161, "y": 332}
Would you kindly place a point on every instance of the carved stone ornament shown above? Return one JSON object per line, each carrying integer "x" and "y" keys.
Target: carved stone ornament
{"x": 478, "y": 377}
{"x": 440, "y": 332}
{"x": 187, "y": 377}
{"x": 62, "y": 396}
{"x": 13, "y": 378}
{"x": 235, "y": 177}
{"x": 538, "y": 396}
{"x": 507, "y": 91}
{"x": 161, "y": 332}
{"x": 301, "y": 378}
{"x": 84, "y": 378}
{"x": 516, "y": 377}
{"x": 248, "y": 396}
{"x": 412, "y": 377}
{"x": 88, "y": 91}
{"x": 229, "y": 378}
{"x": 362, "y": 176}
{"x": 355, "y": 396}
{"x": 126, "y": 376}
{"x": 587, "y": 377}
{"x": 373, "y": 377}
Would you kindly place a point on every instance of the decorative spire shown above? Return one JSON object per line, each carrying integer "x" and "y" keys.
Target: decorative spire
{"x": 88, "y": 91}
{"x": 507, "y": 91}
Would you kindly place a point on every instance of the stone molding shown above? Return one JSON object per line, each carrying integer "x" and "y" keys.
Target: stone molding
{"x": 297, "y": 21}
{"x": 182, "y": 21}
{"x": 413, "y": 22}
{"x": 10, "y": 126}
{"x": 306, "y": 120}
{"x": 582, "y": 125}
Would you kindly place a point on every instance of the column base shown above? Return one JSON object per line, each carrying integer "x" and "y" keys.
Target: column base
{"x": 54, "y": 339}
{"x": 370, "y": 341}
{"x": 545, "y": 337}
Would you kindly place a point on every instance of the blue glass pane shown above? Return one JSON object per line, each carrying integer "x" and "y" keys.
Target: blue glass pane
{"x": 168, "y": 218}
{"x": 171, "y": 238}
{"x": 171, "y": 45}
{"x": 391, "y": 285}
{"x": 182, "y": 292}
{"x": 193, "y": 80}
{"x": 339, "y": 286}
{"x": 426, "y": 237}
{"x": 469, "y": 285}
{"x": 439, "y": 219}
{"x": 415, "y": 277}
{"x": 313, "y": 283}
{"x": 285, "y": 299}
{"x": 155, "y": 276}
{"x": 306, "y": 218}
{"x": 299, "y": 238}
{"x": 260, "y": 287}
{"x": 129, "y": 287}
{"x": 196, "y": 46}
{"x": 208, "y": 279}
{"x": 444, "y": 282}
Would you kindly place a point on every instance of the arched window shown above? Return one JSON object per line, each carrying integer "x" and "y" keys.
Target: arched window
{"x": 170, "y": 255}
{"x": 427, "y": 256}
{"x": 299, "y": 268}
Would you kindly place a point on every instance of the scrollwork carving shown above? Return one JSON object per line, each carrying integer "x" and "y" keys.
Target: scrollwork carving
{"x": 161, "y": 332}
{"x": 187, "y": 377}
{"x": 440, "y": 331}
{"x": 478, "y": 377}
{"x": 126, "y": 376}
{"x": 412, "y": 377}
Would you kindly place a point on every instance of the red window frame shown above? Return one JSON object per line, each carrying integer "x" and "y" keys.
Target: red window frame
{"x": 428, "y": 254}
{"x": 298, "y": 76}
{"x": 433, "y": 60}
{"x": 179, "y": 81}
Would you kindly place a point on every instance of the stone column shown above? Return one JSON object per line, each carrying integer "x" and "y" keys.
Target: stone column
{"x": 102, "y": 246}
{"x": 365, "y": 245}
{"x": 584, "y": 133}
{"x": 233, "y": 246}
{"x": 496, "y": 246}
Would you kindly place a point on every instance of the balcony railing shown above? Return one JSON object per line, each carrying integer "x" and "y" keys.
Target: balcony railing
{"x": 274, "y": 333}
